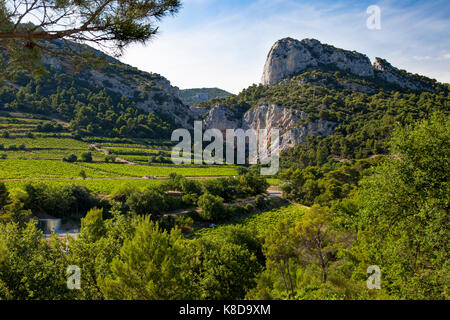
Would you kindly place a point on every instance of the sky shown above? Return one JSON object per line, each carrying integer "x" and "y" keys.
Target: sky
{"x": 224, "y": 43}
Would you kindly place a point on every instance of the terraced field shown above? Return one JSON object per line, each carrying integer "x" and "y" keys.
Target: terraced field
{"x": 154, "y": 171}
{"x": 32, "y": 169}
{"x": 48, "y": 142}
{"x": 28, "y": 155}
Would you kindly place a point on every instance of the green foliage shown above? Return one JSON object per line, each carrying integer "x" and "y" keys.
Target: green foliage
{"x": 90, "y": 109}
{"x": 323, "y": 185}
{"x": 149, "y": 201}
{"x": 31, "y": 269}
{"x": 224, "y": 270}
{"x": 403, "y": 218}
{"x": 260, "y": 202}
{"x": 86, "y": 157}
{"x": 92, "y": 225}
{"x": 192, "y": 96}
{"x": 60, "y": 202}
{"x": 4, "y": 195}
{"x": 152, "y": 265}
{"x": 71, "y": 158}
{"x": 212, "y": 207}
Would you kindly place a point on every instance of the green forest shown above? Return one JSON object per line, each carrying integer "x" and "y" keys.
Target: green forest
{"x": 396, "y": 217}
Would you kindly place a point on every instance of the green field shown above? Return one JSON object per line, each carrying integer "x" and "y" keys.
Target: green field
{"x": 29, "y": 169}
{"x": 54, "y": 143}
{"x": 153, "y": 171}
{"x": 30, "y": 156}
{"x": 51, "y": 154}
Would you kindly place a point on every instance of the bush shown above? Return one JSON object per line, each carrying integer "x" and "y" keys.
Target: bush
{"x": 194, "y": 215}
{"x": 249, "y": 208}
{"x": 83, "y": 174}
{"x": 212, "y": 207}
{"x": 86, "y": 157}
{"x": 260, "y": 202}
{"x": 123, "y": 192}
{"x": 192, "y": 187}
{"x": 190, "y": 199}
{"x": 12, "y": 147}
{"x": 236, "y": 211}
{"x": 146, "y": 202}
{"x": 59, "y": 202}
{"x": 70, "y": 158}
{"x": 110, "y": 158}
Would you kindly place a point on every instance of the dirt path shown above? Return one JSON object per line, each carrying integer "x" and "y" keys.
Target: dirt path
{"x": 106, "y": 153}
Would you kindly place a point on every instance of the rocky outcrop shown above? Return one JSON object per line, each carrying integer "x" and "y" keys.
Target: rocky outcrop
{"x": 289, "y": 57}
{"x": 221, "y": 117}
{"x": 150, "y": 91}
{"x": 156, "y": 92}
{"x": 385, "y": 71}
{"x": 267, "y": 116}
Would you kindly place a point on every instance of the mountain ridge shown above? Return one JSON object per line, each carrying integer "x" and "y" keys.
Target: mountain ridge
{"x": 289, "y": 57}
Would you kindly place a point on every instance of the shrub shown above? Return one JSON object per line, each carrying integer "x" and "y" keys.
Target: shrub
{"x": 83, "y": 174}
{"x": 86, "y": 157}
{"x": 146, "y": 202}
{"x": 249, "y": 208}
{"x": 110, "y": 158}
{"x": 212, "y": 207}
{"x": 260, "y": 202}
{"x": 70, "y": 158}
{"x": 60, "y": 202}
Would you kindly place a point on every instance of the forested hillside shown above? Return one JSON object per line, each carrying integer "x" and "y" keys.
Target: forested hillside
{"x": 191, "y": 96}
{"x": 365, "y": 111}
{"x": 107, "y": 98}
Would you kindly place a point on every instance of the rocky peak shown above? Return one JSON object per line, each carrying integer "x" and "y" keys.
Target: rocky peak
{"x": 382, "y": 65}
{"x": 289, "y": 57}
{"x": 385, "y": 71}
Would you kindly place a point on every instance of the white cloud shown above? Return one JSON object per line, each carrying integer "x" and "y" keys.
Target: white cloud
{"x": 228, "y": 48}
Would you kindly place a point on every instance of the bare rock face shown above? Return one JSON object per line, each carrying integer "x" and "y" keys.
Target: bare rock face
{"x": 270, "y": 117}
{"x": 298, "y": 135}
{"x": 385, "y": 71}
{"x": 285, "y": 120}
{"x": 222, "y": 118}
{"x": 289, "y": 57}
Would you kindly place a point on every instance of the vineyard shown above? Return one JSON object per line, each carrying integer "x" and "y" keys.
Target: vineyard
{"x": 34, "y": 149}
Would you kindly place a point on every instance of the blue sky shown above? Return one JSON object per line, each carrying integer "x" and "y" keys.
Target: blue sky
{"x": 224, "y": 43}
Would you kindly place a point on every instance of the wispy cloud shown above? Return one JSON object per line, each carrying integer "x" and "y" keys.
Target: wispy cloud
{"x": 215, "y": 43}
